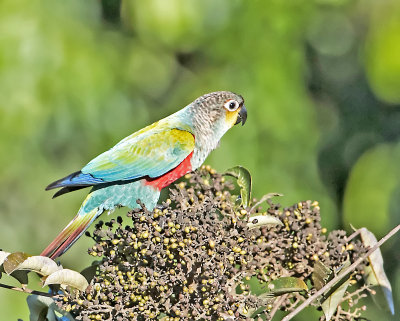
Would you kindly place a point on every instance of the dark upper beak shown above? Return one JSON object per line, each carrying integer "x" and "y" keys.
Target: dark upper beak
{"x": 242, "y": 116}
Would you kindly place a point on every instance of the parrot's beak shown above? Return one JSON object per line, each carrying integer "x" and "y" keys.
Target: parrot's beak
{"x": 242, "y": 116}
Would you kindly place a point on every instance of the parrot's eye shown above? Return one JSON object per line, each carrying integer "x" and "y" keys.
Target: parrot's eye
{"x": 231, "y": 105}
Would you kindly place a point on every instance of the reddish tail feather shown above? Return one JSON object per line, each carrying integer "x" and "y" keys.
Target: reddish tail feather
{"x": 70, "y": 234}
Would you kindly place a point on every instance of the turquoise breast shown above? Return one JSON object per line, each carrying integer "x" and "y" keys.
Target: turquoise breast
{"x": 109, "y": 196}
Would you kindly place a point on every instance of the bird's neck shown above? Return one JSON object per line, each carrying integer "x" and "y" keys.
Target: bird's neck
{"x": 206, "y": 140}
{"x": 207, "y": 134}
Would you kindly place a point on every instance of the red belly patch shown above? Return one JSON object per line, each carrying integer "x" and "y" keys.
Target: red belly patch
{"x": 171, "y": 176}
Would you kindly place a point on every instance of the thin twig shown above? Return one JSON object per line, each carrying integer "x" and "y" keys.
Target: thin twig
{"x": 29, "y": 291}
{"x": 351, "y": 268}
{"x": 352, "y": 236}
{"x": 277, "y": 305}
{"x": 337, "y": 318}
{"x": 356, "y": 292}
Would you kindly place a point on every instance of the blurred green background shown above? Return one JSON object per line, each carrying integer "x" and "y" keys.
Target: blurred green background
{"x": 321, "y": 81}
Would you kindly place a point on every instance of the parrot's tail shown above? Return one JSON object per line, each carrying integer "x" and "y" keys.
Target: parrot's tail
{"x": 70, "y": 234}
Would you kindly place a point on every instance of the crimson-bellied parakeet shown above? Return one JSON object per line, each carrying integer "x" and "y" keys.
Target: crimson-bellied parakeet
{"x": 142, "y": 164}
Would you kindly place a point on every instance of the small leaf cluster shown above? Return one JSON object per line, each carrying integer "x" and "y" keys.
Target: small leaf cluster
{"x": 19, "y": 264}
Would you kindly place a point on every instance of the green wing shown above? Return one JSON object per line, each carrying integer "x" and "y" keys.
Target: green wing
{"x": 149, "y": 152}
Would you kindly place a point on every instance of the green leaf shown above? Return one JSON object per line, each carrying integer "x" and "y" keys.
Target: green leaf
{"x": 375, "y": 275}
{"x": 20, "y": 276}
{"x": 265, "y": 198}
{"x": 39, "y": 308}
{"x": 284, "y": 285}
{"x": 321, "y": 275}
{"x": 251, "y": 312}
{"x": 333, "y": 297}
{"x": 330, "y": 305}
{"x": 263, "y": 220}
{"x": 91, "y": 271}
{"x": 68, "y": 277}
{"x": 42, "y": 308}
{"x": 244, "y": 181}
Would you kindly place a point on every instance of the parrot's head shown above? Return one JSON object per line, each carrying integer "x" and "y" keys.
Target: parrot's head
{"x": 218, "y": 111}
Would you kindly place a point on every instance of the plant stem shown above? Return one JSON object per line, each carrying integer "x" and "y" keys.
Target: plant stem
{"x": 29, "y": 291}
{"x": 352, "y": 236}
{"x": 351, "y": 268}
{"x": 277, "y": 305}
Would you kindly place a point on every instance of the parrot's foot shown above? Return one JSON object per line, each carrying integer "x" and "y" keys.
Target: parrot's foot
{"x": 161, "y": 207}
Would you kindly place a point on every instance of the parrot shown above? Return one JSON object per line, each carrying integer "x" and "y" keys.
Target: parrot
{"x": 142, "y": 164}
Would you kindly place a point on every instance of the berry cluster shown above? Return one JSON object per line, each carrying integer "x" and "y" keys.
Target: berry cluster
{"x": 196, "y": 258}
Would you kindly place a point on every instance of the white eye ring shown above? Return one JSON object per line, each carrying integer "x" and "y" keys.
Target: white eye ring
{"x": 231, "y": 105}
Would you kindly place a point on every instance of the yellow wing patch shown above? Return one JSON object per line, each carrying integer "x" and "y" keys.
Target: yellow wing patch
{"x": 180, "y": 136}
{"x": 153, "y": 155}
{"x": 159, "y": 147}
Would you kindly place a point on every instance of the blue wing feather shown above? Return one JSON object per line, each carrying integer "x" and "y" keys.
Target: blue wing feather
{"x": 75, "y": 179}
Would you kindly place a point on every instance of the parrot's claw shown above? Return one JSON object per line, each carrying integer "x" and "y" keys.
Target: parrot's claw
{"x": 161, "y": 207}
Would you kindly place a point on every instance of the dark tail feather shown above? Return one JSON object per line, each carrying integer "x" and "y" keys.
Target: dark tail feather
{"x": 78, "y": 179}
{"x": 68, "y": 189}
{"x": 61, "y": 182}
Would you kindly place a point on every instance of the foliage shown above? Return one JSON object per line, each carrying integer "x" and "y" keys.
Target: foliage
{"x": 51, "y": 272}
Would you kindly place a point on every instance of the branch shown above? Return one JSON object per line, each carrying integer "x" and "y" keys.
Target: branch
{"x": 352, "y": 236}
{"x": 277, "y": 305}
{"x": 351, "y": 268}
{"x": 14, "y": 288}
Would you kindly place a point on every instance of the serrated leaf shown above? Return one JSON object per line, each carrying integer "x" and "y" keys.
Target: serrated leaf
{"x": 263, "y": 220}
{"x": 13, "y": 260}
{"x": 321, "y": 275}
{"x": 244, "y": 181}
{"x": 67, "y": 277}
{"x": 284, "y": 285}
{"x": 375, "y": 275}
{"x": 334, "y": 296}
